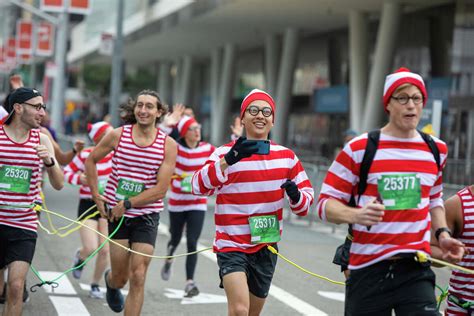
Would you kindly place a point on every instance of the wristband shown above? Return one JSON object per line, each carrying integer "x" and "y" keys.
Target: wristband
{"x": 50, "y": 164}
{"x": 441, "y": 230}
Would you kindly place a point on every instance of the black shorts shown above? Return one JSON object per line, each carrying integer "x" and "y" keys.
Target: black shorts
{"x": 84, "y": 205}
{"x": 142, "y": 229}
{"x": 259, "y": 268}
{"x": 16, "y": 244}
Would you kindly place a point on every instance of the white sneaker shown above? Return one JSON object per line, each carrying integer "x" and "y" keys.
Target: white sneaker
{"x": 95, "y": 292}
{"x": 191, "y": 290}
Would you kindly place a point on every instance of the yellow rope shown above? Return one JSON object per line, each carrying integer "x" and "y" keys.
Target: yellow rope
{"x": 273, "y": 250}
{"x": 120, "y": 245}
{"x": 423, "y": 257}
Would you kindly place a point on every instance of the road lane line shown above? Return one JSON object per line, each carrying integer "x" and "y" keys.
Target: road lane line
{"x": 276, "y": 292}
{"x": 69, "y": 306}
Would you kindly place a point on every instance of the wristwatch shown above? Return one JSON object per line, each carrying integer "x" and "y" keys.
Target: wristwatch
{"x": 49, "y": 164}
{"x": 127, "y": 204}
{"x": 441, "y": 230}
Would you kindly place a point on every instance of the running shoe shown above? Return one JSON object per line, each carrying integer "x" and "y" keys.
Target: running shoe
{"x": 166, "y": 270}
{"x": 77, "y": 272}
{"x": 191, "y": 289}
{"x": 114, "y": 297}
{"x": 95, "y": 291}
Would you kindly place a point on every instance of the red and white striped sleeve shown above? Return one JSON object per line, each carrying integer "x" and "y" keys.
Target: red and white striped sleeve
{"x": 299, "y": 176}
{"x": 436, "y": 191}
{"x": 340, "y": 179}
{"x": 74, "y": 169}
{"x": 210, "y": 177}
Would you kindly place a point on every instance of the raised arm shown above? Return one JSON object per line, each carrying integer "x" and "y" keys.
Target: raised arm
{"x": 46, "y": 153}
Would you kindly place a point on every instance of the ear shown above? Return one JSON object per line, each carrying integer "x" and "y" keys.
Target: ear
{"x": 17, "y": 108}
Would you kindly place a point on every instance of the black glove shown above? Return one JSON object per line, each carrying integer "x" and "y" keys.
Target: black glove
{"x": 291, "y": 190}
{"x": 240, "y": 150}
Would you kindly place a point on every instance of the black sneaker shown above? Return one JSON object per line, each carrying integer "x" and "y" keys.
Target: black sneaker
{"x": 114, "y": 297}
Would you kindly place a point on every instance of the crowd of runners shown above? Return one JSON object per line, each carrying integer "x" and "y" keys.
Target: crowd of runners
{"x": 386, "y": 184}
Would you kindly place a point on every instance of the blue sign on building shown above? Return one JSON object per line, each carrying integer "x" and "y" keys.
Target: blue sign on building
{"x": 334, "y": 99}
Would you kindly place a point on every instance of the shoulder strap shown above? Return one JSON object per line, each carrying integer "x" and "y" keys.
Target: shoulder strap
{"x": 433, "y": 147}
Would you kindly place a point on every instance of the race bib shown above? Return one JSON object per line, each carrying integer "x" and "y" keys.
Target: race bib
{"x": 400, "y": 192}
{"x": 128, "y": 188}
{"x": 15, "y": 179}
{"x": 264, "y": 229}
{"x": 186, "y": 184}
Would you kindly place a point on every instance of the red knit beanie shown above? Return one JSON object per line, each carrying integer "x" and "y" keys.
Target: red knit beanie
{"x": 256, "y": 94}
{"x": 184, "y": 124}
{"x": 399, "y": 77}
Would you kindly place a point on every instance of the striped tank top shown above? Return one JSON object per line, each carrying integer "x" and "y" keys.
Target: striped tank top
{"x": 461, "y": 284}
{"x": 20, "y": 176}
{"x": 134, "y": 169}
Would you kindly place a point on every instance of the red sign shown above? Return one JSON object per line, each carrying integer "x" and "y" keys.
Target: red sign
{"x": 10, "y": 52}
{"x": 45, "y": 39}
{"x": 24, "y": 31}
{"x": 3, "y": 65}
{"x": 75, "y": 6}
{"x": 24, "y": 59}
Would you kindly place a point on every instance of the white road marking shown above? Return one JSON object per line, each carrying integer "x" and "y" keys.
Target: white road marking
{"x": 65, "y": 287}
{"x": 87, "y": 287}
{"x": 278, "y": 293}
{"x": 202, "y": 298}
{"x": 69, "y": 306}
{"x": 337, "y": 296}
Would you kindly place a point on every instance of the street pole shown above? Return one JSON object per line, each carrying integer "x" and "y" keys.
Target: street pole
{"x": 59, "y": 86}
{"x": 116, "y": 80}
{"x": 34, "y": 41}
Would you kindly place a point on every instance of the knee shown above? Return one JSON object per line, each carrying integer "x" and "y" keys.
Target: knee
{"x": 137, "y": 276}
{"x": 238, "y": 309}
{"x": 192, "y": 245}
{"x": 103, "y": 253}
{"x": 15, "y": 289}
{"x": 87, "y": 250}
{"x": 119, "y": 280}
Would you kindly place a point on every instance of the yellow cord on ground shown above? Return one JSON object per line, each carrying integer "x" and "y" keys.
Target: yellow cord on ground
{"x": 423, "y": 257}
{"x": 120, "y": 245}
{"x": 273, "y": 250}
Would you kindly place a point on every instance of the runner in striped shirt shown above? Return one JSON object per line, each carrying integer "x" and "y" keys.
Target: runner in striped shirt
{"x": 142, "y": 165}
{"x": 251, "y": 178}
{"x": 22, "y": 148}
{"x": 460, "y": 218}
{"x": 74, "y": 174}
{"x": 186, "y": 209}
{"x": 404, "y": 177}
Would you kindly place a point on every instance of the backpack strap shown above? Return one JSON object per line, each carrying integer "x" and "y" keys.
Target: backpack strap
{"x": 433, "y": 147}
{"x": 369, "y": 154}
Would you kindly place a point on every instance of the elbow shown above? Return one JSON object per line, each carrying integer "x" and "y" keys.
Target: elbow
{"x": 58, "y": 185}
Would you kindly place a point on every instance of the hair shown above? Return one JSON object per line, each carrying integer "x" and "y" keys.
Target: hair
{"x": 127, "y": 110}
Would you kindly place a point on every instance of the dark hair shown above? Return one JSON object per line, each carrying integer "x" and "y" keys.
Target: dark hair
{"x": 127, "y": 110}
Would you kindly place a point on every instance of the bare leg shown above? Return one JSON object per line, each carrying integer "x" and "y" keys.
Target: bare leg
{"x": 17, "y": 271}
{"x": 237, "y": 292}
{"x": 102, "y": 259}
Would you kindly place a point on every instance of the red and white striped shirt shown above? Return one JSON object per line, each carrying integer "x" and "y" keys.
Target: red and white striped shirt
{"x": 248, "y": 188}
{"x": 24, "y": 157}
{"x": 400, "y": 231}
{"x": 461, "y": 284}
{"x": 134, "y": 167}
{"x": 188, "y": 161}
{"x": 75, "y": 168}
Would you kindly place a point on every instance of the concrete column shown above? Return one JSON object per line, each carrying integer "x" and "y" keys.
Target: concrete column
{"x": 285, "y": 85}
{"x": 271, "y": 63}
{"x": 177, "y": 79}
{"x": 358, "y": 54}
{"x": 225, "y": 94}
{"x": 384, "y": 51}
{"x": 216, "y": 58}
{"x": 440, "y": 38}
{"x": 186, "y": 79}
{"x": 334, "y": 61}
{"x": 470, "y": 140}
{"x": 164, "y": 82}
